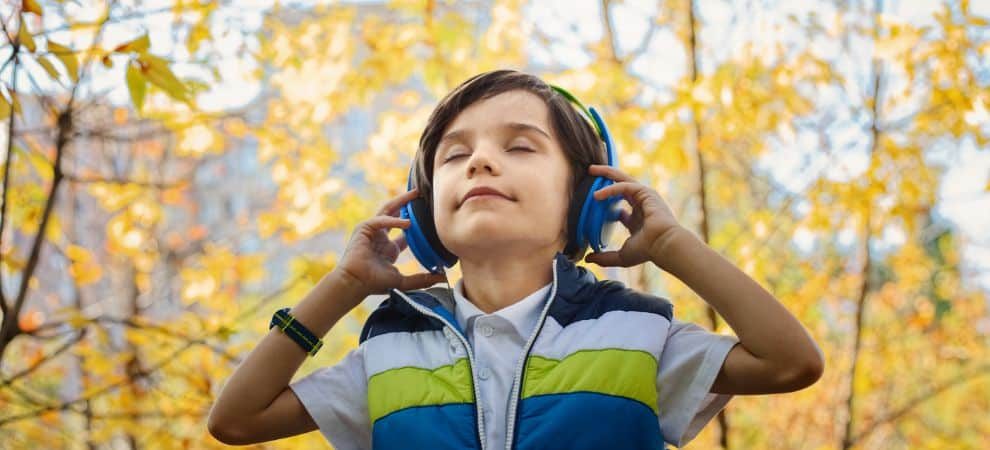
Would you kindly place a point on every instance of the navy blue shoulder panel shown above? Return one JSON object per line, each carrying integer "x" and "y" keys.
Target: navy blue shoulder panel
{"x": 394, "y": 315}
{"x": 594, "y": 300}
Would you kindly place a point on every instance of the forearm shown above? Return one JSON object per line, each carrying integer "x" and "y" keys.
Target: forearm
{"x": 269, "y": 368}
{"x": 763, "y": 325}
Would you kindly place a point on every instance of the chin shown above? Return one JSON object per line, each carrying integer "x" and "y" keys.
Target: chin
{"x": 483, "y": 239}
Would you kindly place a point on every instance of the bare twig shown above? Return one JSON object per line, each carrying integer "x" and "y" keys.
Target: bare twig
{"x": 865, "y": 286}
{"x": 142, "y": 373}
{"x": 6, "y": 329}
{"x": 61, "y": 349}
{"x": 122, "y": 180}
{"x": 896, "y": 414}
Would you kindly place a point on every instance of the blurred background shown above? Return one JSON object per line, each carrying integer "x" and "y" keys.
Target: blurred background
{"x": 175, "y": 171}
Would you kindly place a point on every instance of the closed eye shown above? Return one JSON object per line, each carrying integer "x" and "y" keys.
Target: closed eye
{"x": 453, "y": 157}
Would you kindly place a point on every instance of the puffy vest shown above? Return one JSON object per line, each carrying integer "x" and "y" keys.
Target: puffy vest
{"x": 587, "y": 378}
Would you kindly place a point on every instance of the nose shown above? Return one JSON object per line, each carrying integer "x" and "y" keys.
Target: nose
{"x": 482, "y": 159}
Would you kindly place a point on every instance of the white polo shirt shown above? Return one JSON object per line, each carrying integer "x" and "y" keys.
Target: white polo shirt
{"x": 337, "y": 396}
{"x": 497, "y": 340}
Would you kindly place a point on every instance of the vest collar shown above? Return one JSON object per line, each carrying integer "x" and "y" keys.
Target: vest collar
{"x": 573, "y": 282}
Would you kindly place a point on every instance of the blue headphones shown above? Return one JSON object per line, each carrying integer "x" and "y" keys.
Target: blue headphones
{"x": 589, "y": 221}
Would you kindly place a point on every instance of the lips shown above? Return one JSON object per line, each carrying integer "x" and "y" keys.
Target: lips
{"x": 484, "y": 190}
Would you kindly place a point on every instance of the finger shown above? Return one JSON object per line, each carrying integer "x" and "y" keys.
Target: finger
{"x": 420, "y": 280}
{"x": 387, "y": 222}
{"x": 393, "y": 206}
{"x": 610, "y": 172}
{"x": 627, "y": 189}
{"x": 605, "y": 259}
{"x": 626, "y": 218}
{"x": 400, "y": 242}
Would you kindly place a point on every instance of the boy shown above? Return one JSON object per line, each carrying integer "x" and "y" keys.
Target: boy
{"x": 528, "y": 350}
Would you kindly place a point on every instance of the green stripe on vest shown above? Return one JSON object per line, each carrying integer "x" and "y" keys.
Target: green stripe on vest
{"x": 405, "y": 387}
{"x": 619, "y": 372}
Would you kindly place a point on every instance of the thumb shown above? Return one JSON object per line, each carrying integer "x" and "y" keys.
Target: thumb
{"x": 605, "y": 259}
{"x": 420, "y": 281}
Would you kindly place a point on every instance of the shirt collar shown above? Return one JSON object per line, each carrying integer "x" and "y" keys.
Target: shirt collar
{"x": 523, "y": 314}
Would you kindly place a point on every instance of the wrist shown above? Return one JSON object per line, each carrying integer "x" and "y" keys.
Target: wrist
{"x": 665, "y": 247}
{"x": 330, "y": 300}
{"x": 346, "y": 284}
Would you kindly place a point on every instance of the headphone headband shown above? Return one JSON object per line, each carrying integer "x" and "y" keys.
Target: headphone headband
{"x": 570, "y": 97}
{"x": 596, "y": 121}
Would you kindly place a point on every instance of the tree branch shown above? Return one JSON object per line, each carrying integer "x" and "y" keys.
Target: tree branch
{"x": 7, "y": 328}
{"x": 921, "y": 398}
{"x": 121, "y": 180}
{"x": 609, "y": 32}
{"x": 126, "y": 380}
{"x": 65, "y": 346}
{"x": 140, "y": 374}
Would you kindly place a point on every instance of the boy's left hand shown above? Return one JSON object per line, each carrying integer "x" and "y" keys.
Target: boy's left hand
{"x": 648, "y": 224}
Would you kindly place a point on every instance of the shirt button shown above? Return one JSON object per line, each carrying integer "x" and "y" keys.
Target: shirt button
{"x": 484, "y": 373}
{"x": 487, "y": 331}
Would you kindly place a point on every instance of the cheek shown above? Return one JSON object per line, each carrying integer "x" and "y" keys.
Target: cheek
{"x": 441, "y": 203}
{"x": 441, "y": 191}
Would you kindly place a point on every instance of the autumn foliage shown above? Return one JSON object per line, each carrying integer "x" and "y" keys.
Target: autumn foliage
{"x": 173, "y": 175}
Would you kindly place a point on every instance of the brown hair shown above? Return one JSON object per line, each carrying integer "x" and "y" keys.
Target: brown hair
{"x": 580, "y": 142}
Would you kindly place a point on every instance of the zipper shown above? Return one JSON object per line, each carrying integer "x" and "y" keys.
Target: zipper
{"x": 474, "y": 379}
{"x": 517, "y": 379}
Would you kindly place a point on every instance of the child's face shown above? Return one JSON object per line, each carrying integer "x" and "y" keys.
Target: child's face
{"x": 504, "y": 142}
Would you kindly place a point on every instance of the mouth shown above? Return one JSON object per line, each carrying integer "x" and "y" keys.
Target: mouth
{"x": 484, "y": 193}
{"x": 480, "y": 197}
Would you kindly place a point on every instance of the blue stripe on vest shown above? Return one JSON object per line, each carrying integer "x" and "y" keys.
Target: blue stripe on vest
{"x": 432, "y": 427}
{"x": 586, "y": 420}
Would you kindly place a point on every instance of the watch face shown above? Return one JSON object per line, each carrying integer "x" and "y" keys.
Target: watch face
{"x": 276, "y": 318}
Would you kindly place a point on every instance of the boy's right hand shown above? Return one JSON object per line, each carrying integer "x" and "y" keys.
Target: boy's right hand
{"x": 368, "y": 260}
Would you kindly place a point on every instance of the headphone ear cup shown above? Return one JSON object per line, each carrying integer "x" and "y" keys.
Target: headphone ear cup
{"x": 602, "y": 218}
{"x": 428, "y": 250}
{"x": 576, "y": 241}
{"x": 594, "y": 215}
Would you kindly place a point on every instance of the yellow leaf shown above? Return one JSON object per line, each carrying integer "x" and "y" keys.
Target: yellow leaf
{"x": 156, "y": 71}
{"x": 15, "y": 103}
{"x": 41, "y": 164}
{"x": 24, "y": 36}
{"x": 31, "y": 6}
{"x": 77, "y": 253}
{"x": 77, "y": 320}
{"x": 139, "y": 45}
{"x": 4, "y": 108}
{"x": 67, "y": 56}
{"x": 48, "y": 66}
{"x": 137, "y": 85}
{"x": 197, "y": 34}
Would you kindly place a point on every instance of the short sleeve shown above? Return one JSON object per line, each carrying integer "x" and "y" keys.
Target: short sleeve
{"x": 337, "y": 399}
{"x": 689, "y": 363}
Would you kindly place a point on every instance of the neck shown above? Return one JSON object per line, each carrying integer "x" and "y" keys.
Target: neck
{"x": 495, "y": 282}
